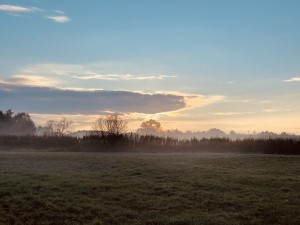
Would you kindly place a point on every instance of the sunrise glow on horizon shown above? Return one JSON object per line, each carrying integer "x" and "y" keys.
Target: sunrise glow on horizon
{"x": 192, "y": 65}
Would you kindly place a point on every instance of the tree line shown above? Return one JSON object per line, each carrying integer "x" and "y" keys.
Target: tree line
{"x": 133, "y": 142}
{"x": 109, "y": 133}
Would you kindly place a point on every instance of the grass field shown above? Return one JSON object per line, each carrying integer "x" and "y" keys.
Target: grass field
{"x": 138, "y": 188}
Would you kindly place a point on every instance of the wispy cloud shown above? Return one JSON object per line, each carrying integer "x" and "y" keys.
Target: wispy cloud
{"x": 277, "y": 110}
{"x": 55, "y": 69}
{"x": 59, "y": 19}
{"x": 231, "y": 113}
{"x": 30, "y": 81}
{"x": 92, "y": 75}
{"x": 89, "y": 72}
{"x": 18, "y": 9}
{"x": 57, "y": 16}
{"x": 293, "y": 79}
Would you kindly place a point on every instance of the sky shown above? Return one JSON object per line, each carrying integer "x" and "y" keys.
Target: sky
{"x": 190, "y": 64}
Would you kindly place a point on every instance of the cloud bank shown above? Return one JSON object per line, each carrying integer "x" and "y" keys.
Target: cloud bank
{"x": 54, "y": 100}
{"x": 38, "y": 99}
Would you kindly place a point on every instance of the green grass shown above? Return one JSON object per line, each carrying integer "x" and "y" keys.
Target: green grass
{"x": 128, "y": 188}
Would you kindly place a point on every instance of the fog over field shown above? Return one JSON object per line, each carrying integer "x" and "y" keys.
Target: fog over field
{"x": 161, "y": 112}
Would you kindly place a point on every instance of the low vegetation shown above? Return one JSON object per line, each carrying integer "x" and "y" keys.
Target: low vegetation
{"x": 151, "y": 189}
{"x": 148, "y": 143}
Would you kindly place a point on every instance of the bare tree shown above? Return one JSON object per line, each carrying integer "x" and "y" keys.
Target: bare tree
{"x": 110, "y": 129}
{"x": 49, "y": 128}
{"x": 58, "y": 128}
{"x": 110, "y": 125}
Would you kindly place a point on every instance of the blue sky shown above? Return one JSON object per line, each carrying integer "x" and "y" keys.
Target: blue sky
{"x": 228, "y": 64}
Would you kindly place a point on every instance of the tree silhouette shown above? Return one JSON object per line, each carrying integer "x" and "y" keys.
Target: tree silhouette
{"x": 110, "y": 130}
{"x": 16, "y": 124}
{"x": 110, "y": 124}
{"x": 58, "y": 128}
{"x": 150, "y": 127}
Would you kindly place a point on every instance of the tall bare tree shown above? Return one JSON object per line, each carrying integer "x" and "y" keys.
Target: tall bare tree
{"x": 110, "y": 125}
{"x": 58, "y": 128}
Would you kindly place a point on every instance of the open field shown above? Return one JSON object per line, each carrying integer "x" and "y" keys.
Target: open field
{"x": 152, "y": 189}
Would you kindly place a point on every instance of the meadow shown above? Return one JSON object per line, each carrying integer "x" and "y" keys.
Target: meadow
{"x": 149, "y": 188}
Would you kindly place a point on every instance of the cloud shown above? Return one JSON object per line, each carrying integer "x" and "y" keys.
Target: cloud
{"x": 59, "y": 19}
{"x": 59, "y": 12}
{"x": 277, "y": 109}
{"x": 54, "y": 100}
{"x": 57, "y": 101}
{"x": 193, "y": 101}
{"x": 231, "y": 113}
{"x": 18, "y": 9}
{"x": 57, "y": 16}
{"x": 92, "y": 75}
{"x": 55, "y": 69}
{"x": 293, "y": 79}
{"x": 89, "y": 72}
{"x": 30, "y": 80}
